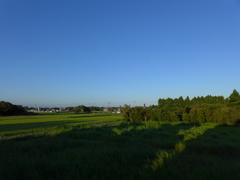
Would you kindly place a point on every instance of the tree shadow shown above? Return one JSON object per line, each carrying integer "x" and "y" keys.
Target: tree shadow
{"x": 125, "y": 151}
{"x": 106, "y": 152}
{"x": 35, "y": 125}
{"x": 203, "y": 153}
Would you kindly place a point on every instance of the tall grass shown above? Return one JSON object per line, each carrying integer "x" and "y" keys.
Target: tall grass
{"x": 147, "y": 150}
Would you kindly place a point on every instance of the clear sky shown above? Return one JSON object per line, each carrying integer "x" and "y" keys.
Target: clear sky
{"x": 71, "y": 52}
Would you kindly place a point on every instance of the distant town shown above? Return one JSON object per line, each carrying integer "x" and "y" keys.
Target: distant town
{"x": 80, "y": 109}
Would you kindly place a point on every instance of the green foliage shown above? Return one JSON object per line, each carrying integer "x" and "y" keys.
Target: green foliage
{"x": 151, "y": 113}
{"x": 82, "y": 109}
{"x": 137, "y": 114}
{"x": 186, "y": 117}
{"x": 8, "y": 109}
{"x": 200, "y": 116}
{"x": 125, "y": 112}
{"x": 235, "y": 104}
{"x": 235, "y": 96}
{"x": 209, "y": 115}
{"x": 174, "y": 117}
{"x": 117, "y": 131}
{"x": 163, "y": 115}
{"x": 69, "y": 109}
{"x": 198, "y": 109}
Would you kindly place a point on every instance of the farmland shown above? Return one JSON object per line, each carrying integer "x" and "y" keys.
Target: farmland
{"x": 85, "y": 146}
{"x": 28, "y": 124}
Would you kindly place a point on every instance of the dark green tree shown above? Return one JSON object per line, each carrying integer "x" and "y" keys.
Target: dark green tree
{"x": 125, "y": 112}
{"x": 69, "y": 109}
{"x": 8, "y": 109}
{"x": 200, "y": 116}
{"x": 174, "y": 117}
{"x": 234, "y": 96}
{"x": 193, "y": 115}
{"x": 186, "y": 117}
{"x": 82, "y": 109}
{"x": 187, "y": 102}
{"x": 181, "y": 102}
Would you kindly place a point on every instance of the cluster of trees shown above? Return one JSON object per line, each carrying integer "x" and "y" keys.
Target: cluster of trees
{"x": 8, "y": 109}
{"x": 92, "y": 108}
{"x": 85, "y": 109}
{"x": 198, "y": 109}
{"x": 82, "y": 109}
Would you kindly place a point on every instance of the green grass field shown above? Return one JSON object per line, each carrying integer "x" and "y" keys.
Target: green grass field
{"x": 30, "y": 124}
{"x": 70, "y": 146}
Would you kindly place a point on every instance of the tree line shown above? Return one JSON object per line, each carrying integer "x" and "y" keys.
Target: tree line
{"x": 85, "y": 109}
{"x": 198, "y": 109}
{"x": 8, "y": 109}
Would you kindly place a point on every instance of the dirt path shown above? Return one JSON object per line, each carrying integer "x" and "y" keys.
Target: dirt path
{"x": 106, "y": 123}
{"x": 20, "y": 135}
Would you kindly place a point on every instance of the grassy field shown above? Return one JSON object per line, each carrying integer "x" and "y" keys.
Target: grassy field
{"x": 39, "y": 123}
{"x": 147, "y": 150}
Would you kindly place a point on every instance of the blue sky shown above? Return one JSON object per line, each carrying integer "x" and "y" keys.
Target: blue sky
{"x": 66, "y": 53}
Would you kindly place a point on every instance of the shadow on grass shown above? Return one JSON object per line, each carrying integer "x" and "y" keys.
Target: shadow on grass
{"x": 34, "y": 125}
{"x": 204, "y": 153}
{"x": 87, "y": 153}
{"x": 127, "y": 151}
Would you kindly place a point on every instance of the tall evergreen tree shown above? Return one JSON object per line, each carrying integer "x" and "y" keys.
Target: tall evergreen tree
{"x": 234, "y": 96}
{"x": 181, "y": 102}
{"x": 187, "y": 102}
